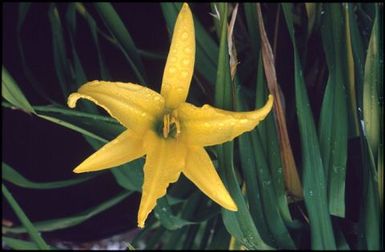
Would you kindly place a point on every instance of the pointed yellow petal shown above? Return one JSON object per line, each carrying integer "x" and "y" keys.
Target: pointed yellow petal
{"x": 200, "y": 170}
{"x": 134, "y": 106}
{"x": 210, "y": 126}
{"x": 180, "y": 61}
{"x": 164, "y": 162}
{"x": 125, "y": 148}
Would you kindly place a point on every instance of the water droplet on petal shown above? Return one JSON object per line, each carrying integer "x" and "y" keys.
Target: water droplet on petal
{"x": 187, "y": 50}
{"x": 186, "y": 62}
{"x": 172, "y": 69}
{"x": 243, "y": 121}
{"x": 184, "y": 74}
{"x": 185, "y": 35}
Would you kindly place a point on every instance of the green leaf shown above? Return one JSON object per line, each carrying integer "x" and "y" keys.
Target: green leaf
{"x": 130, "y": 175}
{"x": 311, "y": 10}
{"x": 73, "y": 127}
{"x": 12, "y": 176}
{"x": 98, "y": 127}
{"x": 248, "y": 162}
{"x": 313, "y": 176}
{"x": 32, "y": 231}
{"x": 66, "y": 222}
{"x": 358, "y": 51}
{"x": 333, "y": 123}
{"x": 249, "y": 235}
{"x": 62, "y": 65}
{"x": 372, "y": 108}
{"x": 351, "y": 77}
{"x": 164, "y": 214}
{"x": 268, "y": 197}
{"x": 220, "y": 239}
{"x": 23, "y": 11}
{"x": 12, "y": 93}
{"x": 20, "y": 244}
{"x": 115, "y": 25}
{"x": 104, "y": 74}
{"x": 373, "y": 82}
{"x": 78, "y": 71}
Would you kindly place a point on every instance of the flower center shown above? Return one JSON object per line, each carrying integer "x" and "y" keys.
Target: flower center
{"x": 171, "y": 125}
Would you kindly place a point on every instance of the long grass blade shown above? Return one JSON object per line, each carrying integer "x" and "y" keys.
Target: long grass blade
{"x": 104, "y": 73}
{"x": 62, "y": 65}
{"x": 66, "y": 222}
{"x": 313, "y": 177}
{"x": 373, "y": 84}
{"x": 333, "y": 124}
{"x": 119, "y": 31}
{"x": 32, "y": 231}
{"x": 19, "y": 244}
{"x": 12, "y": 176}
{"x": 292, "y": 181}
{"x": 351, "y": 75}
{"x": 22, "y": 13}
{"x": 240, "y": 223}
{"x": 12, "y": 93}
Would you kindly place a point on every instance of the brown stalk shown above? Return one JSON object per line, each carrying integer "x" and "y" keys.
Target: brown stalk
{"x": 292, "y": 181}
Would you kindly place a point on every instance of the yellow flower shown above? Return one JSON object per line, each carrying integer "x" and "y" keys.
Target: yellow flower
{"x": 170, "y": 132}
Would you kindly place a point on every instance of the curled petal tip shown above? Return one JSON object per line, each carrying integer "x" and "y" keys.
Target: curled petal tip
{"x": 72, "y": 99}
{"x": 265, "y": 110}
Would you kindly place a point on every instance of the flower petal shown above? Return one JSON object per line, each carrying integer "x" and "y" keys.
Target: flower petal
{"x": 180, "y": 61}
{"x": 164, "y": 162}
{"x": 200, "y": 170}
{"x": 134, "y": 106}
{"x": 125, "y": 148}
{"x": 210, "y": 126}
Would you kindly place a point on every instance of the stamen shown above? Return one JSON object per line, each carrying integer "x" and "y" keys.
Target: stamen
{"x": 166, "y": 125}
{"x": 171, "y": 125}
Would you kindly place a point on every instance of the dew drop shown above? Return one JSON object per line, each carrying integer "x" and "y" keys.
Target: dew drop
{"x": 184, "y": 74}
{"x": 243, "y": 121}
{"x": 187, "y": 50}
{"x": 184, "y": 35}
{"x": 172, "y": 69}
{"x": 185, "y": 62}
